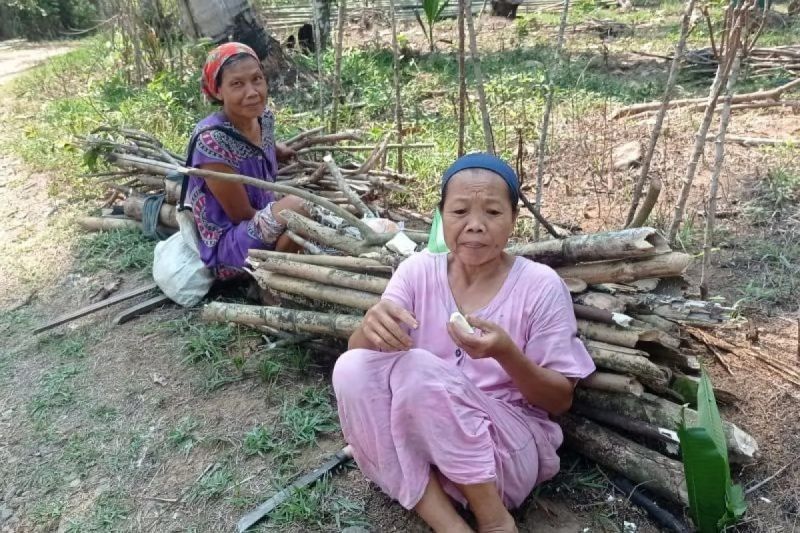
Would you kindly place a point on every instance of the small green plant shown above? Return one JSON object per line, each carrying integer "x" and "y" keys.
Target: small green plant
{"x": 56, "y": 389}
{"x": 212, "y": 485}
{"x": 714, "y": 501}
{"x": 259, "y": 441}
{"x": 432, "y": 9}
{"x": 308, "y": 416}
{"x": 183, "y": 436}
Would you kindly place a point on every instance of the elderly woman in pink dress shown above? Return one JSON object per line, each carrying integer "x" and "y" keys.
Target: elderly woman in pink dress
{"x": 436, "y": 413}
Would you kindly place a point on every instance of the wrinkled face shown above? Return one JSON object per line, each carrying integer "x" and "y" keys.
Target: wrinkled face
{"x": 243, "y": 89}
{"x": 477, "y": 216}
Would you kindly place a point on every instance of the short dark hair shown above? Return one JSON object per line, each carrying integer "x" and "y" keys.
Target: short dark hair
{"x": 514, "y": 207}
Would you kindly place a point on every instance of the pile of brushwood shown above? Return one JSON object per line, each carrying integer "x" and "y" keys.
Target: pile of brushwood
{"x": 626, "y": 286}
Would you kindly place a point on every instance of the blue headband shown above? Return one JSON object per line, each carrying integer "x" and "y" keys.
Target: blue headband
{"x": 486, "y": 162}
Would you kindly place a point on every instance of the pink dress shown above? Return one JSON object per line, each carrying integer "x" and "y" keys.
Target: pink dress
{"x": 404, "y": 412}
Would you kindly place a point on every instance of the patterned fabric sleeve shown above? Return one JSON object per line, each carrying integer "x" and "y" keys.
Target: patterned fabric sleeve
{"x": 217, "y": 147}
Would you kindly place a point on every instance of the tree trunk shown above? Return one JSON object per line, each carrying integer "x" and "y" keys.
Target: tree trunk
{"x": 623, "y": 244}
{"x": 316, "y": 291}
{"x": 664, "y": 413}
{"x": 657, "y": 473}
{"x": 323, "y": 12}
{"x": 606, "y": 381}
{"x": 135, "y": 204}
{"x": 505, "y": 8}
{"x": 235, "y": 20}
{"x": 326, "y": 275}
{"x": 627, "y": 361}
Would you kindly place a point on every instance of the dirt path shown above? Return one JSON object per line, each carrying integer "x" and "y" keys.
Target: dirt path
{"x": 17, "y": 56}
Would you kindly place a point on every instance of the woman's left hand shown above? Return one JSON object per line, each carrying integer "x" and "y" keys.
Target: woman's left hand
{"x": 283, "y": 152}
{"x": 492, "y": 342}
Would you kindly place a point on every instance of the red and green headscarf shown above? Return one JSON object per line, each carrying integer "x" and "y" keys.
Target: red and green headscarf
{"x": 216, "y": 60}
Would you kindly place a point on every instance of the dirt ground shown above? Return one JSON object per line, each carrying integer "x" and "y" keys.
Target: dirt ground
{"x": 90, "y": 413}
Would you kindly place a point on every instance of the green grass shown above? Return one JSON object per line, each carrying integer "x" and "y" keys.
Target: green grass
{"x": 260, "y": 441}
{"x": 183, "y": 436}
{"x": 46, "y": 512}
{"x": 115, "y": 251}
{"x": 307, "y": 416}
{"x": 212, "y": 485}
{"x": 320, "y": 505}
{"x": 109, "y": 510}
{"x": 56, "y": 389}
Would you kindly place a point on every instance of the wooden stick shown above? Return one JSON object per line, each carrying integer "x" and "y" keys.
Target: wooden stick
{"x": 316, "y": 291}
{"x": 772, "y": 94}
{"x": 719, "y": 157}
{"x": 308, "y": 246}
{"x": 653, "y": 192}
{"x": 375, "y": 156}
{"x": 363, "y": 148}
{"x": 398, "y": 104}
{"x": 622, "y": 244}
{"x": 627, "y": 361}
{"x": 330, "y": 138}
{"x": 478, "y": 73}
{"x": 324, "y": 235}
{"x": 96, "y": 307}
{"x": 292, "y": 320}
{"x": 337, "y": 65}
{"x": 304, "y": 134}
{"x": 353, "y": 263}
{"x": 326, "y": 275}
{"x": 660, "y": 266}
{"x": 107, "y": 223}
{"x": 625, "y": 423}
{"x": 140, "y": 309}
{"x": 462, "y": 80}
{"x": 548, "y": 106}
{"x": 759, "y": 141}
{"x": 284, "y": 189}
{"x": 672, "y": 79}
{"x": 345, "y": 188}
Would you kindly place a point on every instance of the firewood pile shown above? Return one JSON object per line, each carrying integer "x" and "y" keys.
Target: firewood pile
{"x": 143, "y": 165}
{"x": 765, "y": 61}
{"x": 624, "y": 416}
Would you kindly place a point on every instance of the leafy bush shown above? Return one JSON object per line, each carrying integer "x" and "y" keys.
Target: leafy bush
{"x": 45, "y": 19}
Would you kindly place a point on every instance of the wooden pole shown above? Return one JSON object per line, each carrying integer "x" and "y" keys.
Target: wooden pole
{"x": 462, "y": 80}
{"x": 316, "y": 291}
{"x": 318, "y": 47}
{"x": 398, "y": 103}
{"x": 672, "y": 79}
{"x": 546, "y": 117}
{"x": 108, "y": 224}
{"x": 609, "y": 382}
{"x": 478, "y": 73}
{"x": 337, "y": 261}
{"x": 337, "y": 66}
{"x": 660, "y": 266}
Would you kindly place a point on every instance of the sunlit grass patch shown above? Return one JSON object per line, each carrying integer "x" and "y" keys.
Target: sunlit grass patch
{"x": 114, "y": 251}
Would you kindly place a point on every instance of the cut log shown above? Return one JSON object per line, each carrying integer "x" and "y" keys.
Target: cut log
{"x": 630, "y": 425}
{"x": 628, "y": 361}
{"x": 326, "y": 275}
{"x": 172, "y": 191}
{"x": 338, "y": 261}
{"x": 623, "y": 244}
{"x": 166, "y": 217}
{"x": 292, "y": 320}
{"x": 664, "y": 413}
{"x": 661, "y": 323}
{"x": 316, "y": 291}
{"x": 693, "y": 312}
{"x": 575, "y": 285}
{"x": 316, "y": 232}
{"x": 660, "y": 266}
{"x": 630, "y": 337}
{"x": 108, "y": 224}
{"x": 609, "y": 382}
{"x": 657, "y": 473}
{"x": 601, "y": 300}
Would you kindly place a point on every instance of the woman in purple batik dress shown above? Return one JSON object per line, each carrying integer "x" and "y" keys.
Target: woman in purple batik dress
{"x": 435, "y": 412}
{"x": 232, "y": 218}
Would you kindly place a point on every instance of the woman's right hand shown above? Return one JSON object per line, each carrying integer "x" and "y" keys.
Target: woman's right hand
{"x": 383, "y": 326}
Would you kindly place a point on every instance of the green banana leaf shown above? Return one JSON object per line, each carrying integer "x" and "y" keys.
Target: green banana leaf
{"x": 436, "y": 242}
{"x": 433, "y": 10}
{"x": 714, "y": 501}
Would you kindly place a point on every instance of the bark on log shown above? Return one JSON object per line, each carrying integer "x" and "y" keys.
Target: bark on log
{"x": 172, "y": 191}
{"x": 316, "y": 291}
{"x": 309, "y": 229}
{"x": 625, "y": 423}
{"x": 575, "y": 285}
{"x": 601, "y": 300}
{"x": 628, "y": 361}
{"x": 338, "y": 261}
{"x": 661, "y": 266}
{"x": 663, "y": 413}
{"x": 135, "y": 204}
{"x": 606, "y": 381}
{"x": 108, "y": 224}
{"x": 657, "y": 473}
{"x": 631, "y": 337}
{"x": 329, "y": 324}
{"x": 693, "y": 312}
{"x": 623, "y": 244}
{"x": 326, "y": 275}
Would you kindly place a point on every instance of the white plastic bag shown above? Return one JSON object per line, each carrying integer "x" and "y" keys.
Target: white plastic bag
{"x": 177, "y": 267}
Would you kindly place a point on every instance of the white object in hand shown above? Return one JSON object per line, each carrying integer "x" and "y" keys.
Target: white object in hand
{"x": 461, "y": 322}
